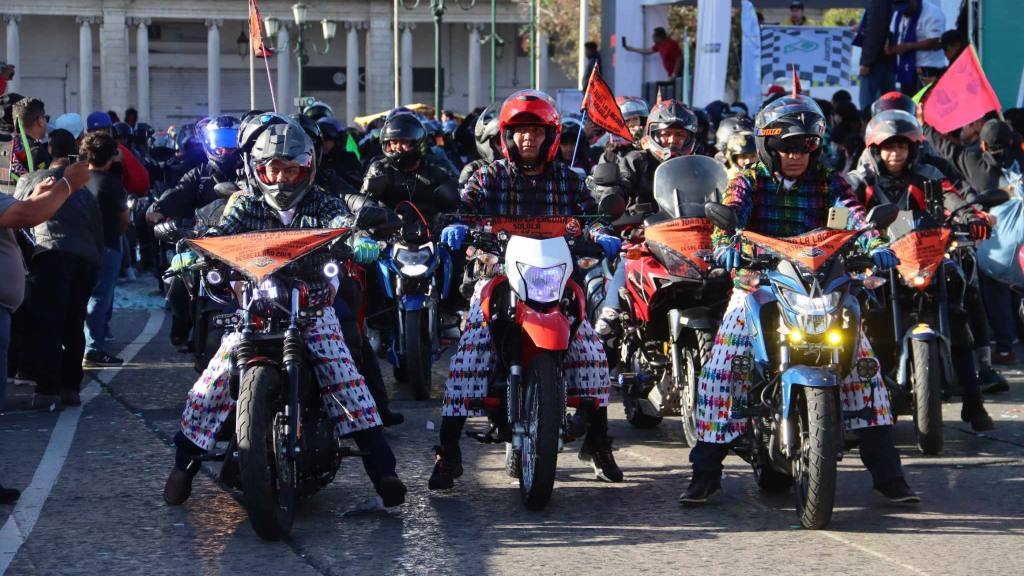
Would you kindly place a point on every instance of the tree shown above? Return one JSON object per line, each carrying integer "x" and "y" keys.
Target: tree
{"x": 560, "y": 20}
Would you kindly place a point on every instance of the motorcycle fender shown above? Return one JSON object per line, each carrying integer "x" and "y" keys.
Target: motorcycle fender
{"x": 808, "y": 377}
{"x": 697, "y": 318}
{"x": 384, "y": 270}
{"x": 547, "y": 330}
{"x": 413, "y": 301}
{"x": 922, "y": 333}
{"x": 485, "y": 295}
{"x": 753, "y": 304}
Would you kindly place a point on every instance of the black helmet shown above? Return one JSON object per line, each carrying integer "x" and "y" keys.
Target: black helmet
{"x": 404, "y": 127}
{"x": 289, "y": 144}
{"x": 312, "y": 130}
{"x": 891, "y": 124}
{"x": 317, "y": 110}
{"x": 143, "y": 132}
{"x": 486, "y": 134}
{"x": 219, "y": 137}
{"x": 789, "y": 117}
{"x": 667, "y": 114}
{"x": 331, "y": 129}
{"x": 122, "y": 131}
{"x": 894, "y": 101}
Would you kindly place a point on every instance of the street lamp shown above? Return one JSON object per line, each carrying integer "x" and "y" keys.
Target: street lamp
{"x": 299, "y": 13}
{"x": 438, "y": 7}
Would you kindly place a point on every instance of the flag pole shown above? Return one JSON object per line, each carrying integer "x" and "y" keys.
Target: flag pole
{"x": 579, "y": 136}
{"x": 252, "y": 73}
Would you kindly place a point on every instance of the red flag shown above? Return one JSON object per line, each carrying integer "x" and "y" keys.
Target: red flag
{"x": 599, "y": 104}
{"x": 797, "y": 89}
{"x": 960, "y": 96}
{"x": 259, "y": 48}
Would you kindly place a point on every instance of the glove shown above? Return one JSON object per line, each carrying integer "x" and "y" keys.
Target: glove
{"x": 610, "y": 244}
{"x": 727, "y": 257}
{"x": 454, "y": 235}
{"x": 183, "y": 261}
{"x": 884, "y": 258}
{"x": 365, "y": 250}
{"x": 980, "y": 230}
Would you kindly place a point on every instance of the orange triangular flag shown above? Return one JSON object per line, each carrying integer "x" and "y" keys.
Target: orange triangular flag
{"x": 259, "y": 47}
{"x": 599, "y": 104}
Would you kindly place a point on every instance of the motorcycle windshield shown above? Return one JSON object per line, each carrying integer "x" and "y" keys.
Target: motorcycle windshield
{"x": 683, "y": 185}
{"x": 810, "y": 251}
{"x": 682, "y": 245}
{"x": 260, "y": 254}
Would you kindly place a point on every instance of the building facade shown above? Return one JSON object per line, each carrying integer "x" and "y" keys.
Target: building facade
{"x": 178, "y": 61}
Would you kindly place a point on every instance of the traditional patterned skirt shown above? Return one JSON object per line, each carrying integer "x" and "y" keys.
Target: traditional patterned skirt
{"x": 719, "y": 387}
{"x": 474, "y": 362}
{"x": 343, "y": 391}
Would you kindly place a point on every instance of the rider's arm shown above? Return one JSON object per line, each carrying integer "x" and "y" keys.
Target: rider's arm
{"x": 475, "y": 190}
{"x": 182, "y": 199}
{"x": 738, "y": 197}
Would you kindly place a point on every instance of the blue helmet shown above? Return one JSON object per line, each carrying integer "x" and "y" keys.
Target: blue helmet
{"x": 219, "y": 137}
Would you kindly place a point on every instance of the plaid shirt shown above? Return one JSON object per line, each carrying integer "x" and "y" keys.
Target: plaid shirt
{"x": 249, "y": 213}
{"x": 766, "y": 207}
{"x": 498, "y": 190}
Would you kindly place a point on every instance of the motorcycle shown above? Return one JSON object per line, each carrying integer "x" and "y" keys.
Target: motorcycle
{"x": 284, "y": 445}
{"x": 534, "y": 309}
{"x": 674, "y": 298}
{"x": 924, "y": 300}
{"x": 804, "y": 320}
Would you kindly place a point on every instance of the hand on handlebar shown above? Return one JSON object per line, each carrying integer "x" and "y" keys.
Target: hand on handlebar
{"x": 884, "y": 258}
{"x": 727, "y": 257}
{"x": 454, "y": 235}
{"x": 610, "y": 244}
{"x": 365, "y": 250}
{"x": 183, "y": 261}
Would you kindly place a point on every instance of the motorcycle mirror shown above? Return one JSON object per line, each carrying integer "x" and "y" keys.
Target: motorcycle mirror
{"x": 612, "y": 204}
{"x": 721, "y": 215}
{"x": 225, "y": 189}
{"x": 990, "y": 198}
{"x": 606, "y": 174}
{"x": 883, "y": 215}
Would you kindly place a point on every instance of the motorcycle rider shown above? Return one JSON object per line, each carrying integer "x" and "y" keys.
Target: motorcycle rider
{"x": 787, "y": 192}
{"x": 487, "y": 140}
{"x": 336, "y": 156}
{"x": 634, "y": 111}
{"x": 281, "y": 167}
{"x": 527, "y": 181}
{"x": 894, "y": 173}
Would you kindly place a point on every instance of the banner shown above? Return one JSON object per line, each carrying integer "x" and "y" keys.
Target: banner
{"x": 960, "y": 96}
{"x": 599, "y": 104}
{"x": 714, "y": 22}
{"x": 260, "y": 254}
{"x": 821, "y": 54}
{"x": 750, "y": 62}
{"x": 259, "y": 47}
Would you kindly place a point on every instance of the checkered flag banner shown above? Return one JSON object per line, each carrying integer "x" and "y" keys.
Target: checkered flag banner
{"x": 821, "y": 55}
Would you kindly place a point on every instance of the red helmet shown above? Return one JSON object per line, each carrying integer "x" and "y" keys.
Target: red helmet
{"x": 530, "y": 108}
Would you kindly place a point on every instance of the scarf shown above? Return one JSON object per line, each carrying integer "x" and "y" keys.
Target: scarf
{"x": 906, "y": 63}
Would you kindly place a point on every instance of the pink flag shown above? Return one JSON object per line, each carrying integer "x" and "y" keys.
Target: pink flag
{"x": 960, "y": 96}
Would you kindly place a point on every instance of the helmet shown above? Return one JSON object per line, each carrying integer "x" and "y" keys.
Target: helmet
{"x": 312, "y": 129}
{"x": 739, "y": 143}
{"x": 633, "y": 107}
{"x": 571, "y": 128}
{"x": 289, "y": 143}
{"x": 331, "y": 128}
{"x": 486, "y": 133}
{"x": 894, "y": 101}
{"x": 788, "y": 117}
{"x": 404, "y": 127}
{"x": 530, "y": 108}
{"x": 729, "y": 126}
{"x": 122, "y": 131}
{"x": 143, "y": 132}
{"x": 666, "y": 114}
{"x": 890, "y": 124}
{"x": 220, "y": 141}
{"x": 317, "y": 110}
{"x": 253, "y": 125}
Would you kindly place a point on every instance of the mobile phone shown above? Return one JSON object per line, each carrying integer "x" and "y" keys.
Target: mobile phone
{"x": 73, "y": 158}
{"x": 838, "y": 218}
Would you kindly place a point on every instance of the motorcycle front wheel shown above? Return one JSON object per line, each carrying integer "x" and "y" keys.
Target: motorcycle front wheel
{"x": 926, "y": 381}
{"x": 418, "y": 353}
{"x": 542, "y": 418}
{"x": 695, "y": 358}
{"x": 265, "y": 473}
{"x": 815, "y": 468}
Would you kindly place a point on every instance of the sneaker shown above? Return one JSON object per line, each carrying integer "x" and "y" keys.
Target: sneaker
{"x": 178, "y": 487}
{"x": 392, "y": 491}
{"x": 98, "y": 358}
{"x": 974, "y": 413}
{"x": 389, "y": 418}
{"x": 447, "y": 467}
{"x": 1004, "y": 358}
{"x": 9, "y": 495}
{"x": 897, "y": 491}
{"x": 992, "y": 382}
{"x": 702, "y": 487}
{"x": 601, "y": 459}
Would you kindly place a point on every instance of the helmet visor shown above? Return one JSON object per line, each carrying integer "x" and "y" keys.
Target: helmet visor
{"x": 221, "y": 140}
{"x": 280, "y": 171}
{"x": 796, "y": 145}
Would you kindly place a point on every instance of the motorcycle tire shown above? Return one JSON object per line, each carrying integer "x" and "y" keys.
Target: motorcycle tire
{"x": 815, "y": 469}
{"x": 695, "y": 358}
{"x": 926, "y": 381}
{"x": 634, "y": 415}
{"x": 268, "y": 495}
{"x": 512, "y": 461}
{"x": 417, "y": 353}
{"x": 542, "y": 413}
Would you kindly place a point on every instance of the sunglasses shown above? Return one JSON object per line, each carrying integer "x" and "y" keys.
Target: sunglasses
{"x": 800, "y": 145}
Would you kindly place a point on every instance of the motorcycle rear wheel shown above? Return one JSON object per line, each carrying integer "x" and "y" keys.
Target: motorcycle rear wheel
{"x": 265, "y": 474}
{"x": 815, "y": 469}
{"x": 926, "y": 380}
{"x": 417, "y": 353}
{"x": 542, "y": 417}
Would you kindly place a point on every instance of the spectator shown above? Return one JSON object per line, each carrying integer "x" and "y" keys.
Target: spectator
{"x": 131, "y": 117}
{"x": 100, "y": 150}
{"x": 133, "y": 174}
{"x": 917, "y": 27}
{"x": 448, "y": 121}
{"x": 876, "y": 65}
{"x": 841, "y": 96}
{"x": 64, "y": 265}
{"x": 6, "y": 74}
{"x": 952, "y": 43}
{"x": 671, "y": 53}
{"x": 796, "y": 14}
{"x": 71, "y": 122}
{"x": 593, "y": 56}
{"x": 30, "y": 122}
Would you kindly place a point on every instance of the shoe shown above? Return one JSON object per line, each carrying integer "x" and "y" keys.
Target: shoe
{"x": 389, "y": 418}
{"x": 98, "y": 358}
{"x": 9, "y": 495}
{"x": 701, "y": 488}
{"x": 179, "y": 485}
{"x": 70, "y": 398}
{"x": 392, "y": 491}
{"x": 43, "y": 401}
{"x": 974, "y": 413}
{"x": 599, "y": 454}
{"x": 1004, "y": 358}
{"x": 447, "y": 467}
{"x": 992, "y": 381}
{"x": 897, "y": 491}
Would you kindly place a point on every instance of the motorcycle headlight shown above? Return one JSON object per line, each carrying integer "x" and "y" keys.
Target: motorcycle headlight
{"x": 414, "y": 262}
{"x": 543, "y": 285}
{"x": 271, "y": 290}
{"x": 821, "y": 305}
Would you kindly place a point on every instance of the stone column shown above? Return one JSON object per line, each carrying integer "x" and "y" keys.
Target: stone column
{"x": 213, "y": 66}
{"x": 13, "y": 50}
{"x": 475, "y": 74}
{"x": 352, "y": 70}
{"x": 542, "y": 61}
{"x": 284, "y": 69}
{"x": 142, "y": 67}
{"x": 85, "y": 104}
{"x": 379, "y": 76}
{"x": 406, "y": 63}
{"x": 114, "y": 77}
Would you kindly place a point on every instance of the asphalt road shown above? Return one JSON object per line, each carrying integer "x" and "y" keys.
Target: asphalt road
{"x": 100, "y": 511}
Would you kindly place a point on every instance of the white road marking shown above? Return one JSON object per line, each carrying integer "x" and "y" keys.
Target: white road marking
{"x": 21, "y": 521}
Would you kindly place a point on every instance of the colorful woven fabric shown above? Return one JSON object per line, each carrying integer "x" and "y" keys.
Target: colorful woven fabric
{"x": 249, "y": 213}
{"x": 496, "y": 189}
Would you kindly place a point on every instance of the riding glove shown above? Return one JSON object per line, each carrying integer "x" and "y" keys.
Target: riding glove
{"x": 183, "y": 260}
{"x": 884, "y": 258}
{"x": 365, "y": 250}
{"x": 727, "y": 257}
{"x": 454, "y": 235}
{"x": 610, "y": 244}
